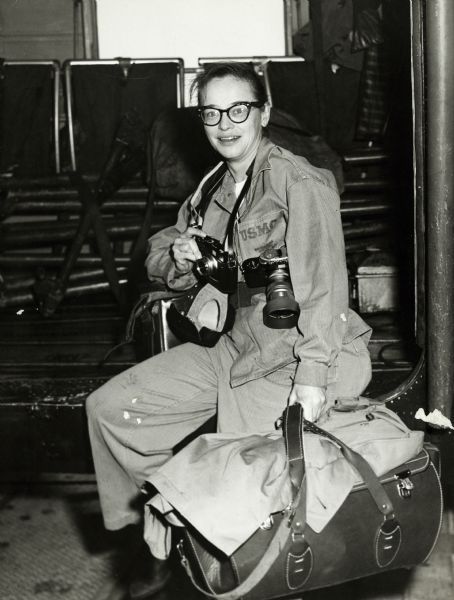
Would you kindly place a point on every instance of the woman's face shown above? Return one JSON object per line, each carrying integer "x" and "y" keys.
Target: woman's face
{"x": 237, "y": 143}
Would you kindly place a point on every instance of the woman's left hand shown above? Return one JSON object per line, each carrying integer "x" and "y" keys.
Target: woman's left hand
{"x": 311, "y": 398}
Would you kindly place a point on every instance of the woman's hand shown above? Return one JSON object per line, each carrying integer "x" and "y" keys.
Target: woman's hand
{"x": 312, "y": 399}
{"x": 185, "y": 250}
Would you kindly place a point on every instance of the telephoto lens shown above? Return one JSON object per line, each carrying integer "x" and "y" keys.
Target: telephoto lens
{"x": 270, "y": 269}
{"x": 281, "y": 310}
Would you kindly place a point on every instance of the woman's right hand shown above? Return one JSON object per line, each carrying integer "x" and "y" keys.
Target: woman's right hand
{"x": 185, "y": 250}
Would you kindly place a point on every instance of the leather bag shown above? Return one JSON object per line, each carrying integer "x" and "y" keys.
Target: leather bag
{"x": 385, "y": 523}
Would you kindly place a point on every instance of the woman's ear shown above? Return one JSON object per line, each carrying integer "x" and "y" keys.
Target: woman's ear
{"x": 265, "y": 114}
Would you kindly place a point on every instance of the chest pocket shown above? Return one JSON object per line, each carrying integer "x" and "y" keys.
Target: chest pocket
{"x": 255, "y": 235}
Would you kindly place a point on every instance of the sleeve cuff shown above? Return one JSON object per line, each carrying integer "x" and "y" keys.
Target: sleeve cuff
{"x": 180, "y": 281}
{"x": 310, "y": 373}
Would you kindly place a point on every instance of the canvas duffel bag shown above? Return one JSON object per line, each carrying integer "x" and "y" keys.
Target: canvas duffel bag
{"x": 385, "y": 523}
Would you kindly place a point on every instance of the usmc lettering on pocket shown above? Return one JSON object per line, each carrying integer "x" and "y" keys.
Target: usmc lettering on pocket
{"x": 256, "y": 235}
{"x": 254, "y": 231}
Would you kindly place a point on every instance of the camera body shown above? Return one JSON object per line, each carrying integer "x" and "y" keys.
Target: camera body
{"x": 270, "y": 269}
{"x": 217, "y": 266}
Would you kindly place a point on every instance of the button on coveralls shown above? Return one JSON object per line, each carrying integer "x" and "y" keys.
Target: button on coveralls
{"x": 137, "y": 417}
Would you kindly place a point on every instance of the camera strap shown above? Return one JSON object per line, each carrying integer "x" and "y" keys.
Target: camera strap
{"x": 209, "y": 187}
{"x": 233, "y": 214}
{"x": 208, "y": 190}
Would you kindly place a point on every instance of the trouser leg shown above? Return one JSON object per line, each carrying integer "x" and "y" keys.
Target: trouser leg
{"x": 137, "y": 417}
{"x": 250, "y": 408}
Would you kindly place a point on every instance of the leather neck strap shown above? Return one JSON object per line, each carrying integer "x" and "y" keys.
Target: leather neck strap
{"x": 208, "y": 190}
{"x": 233, "y": 214}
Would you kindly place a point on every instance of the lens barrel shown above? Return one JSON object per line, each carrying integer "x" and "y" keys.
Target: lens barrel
{"x": 281, "y": 310}
{"x": 206, "y": 266}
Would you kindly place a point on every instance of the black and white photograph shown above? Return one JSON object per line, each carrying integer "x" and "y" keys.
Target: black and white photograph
{"x": 226, "y": 299}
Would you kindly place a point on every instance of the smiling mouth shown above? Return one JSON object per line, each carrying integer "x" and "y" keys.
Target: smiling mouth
{"x": 228, "y": 139}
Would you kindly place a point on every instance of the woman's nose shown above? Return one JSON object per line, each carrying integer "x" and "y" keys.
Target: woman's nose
{"x": 225, "y": 122}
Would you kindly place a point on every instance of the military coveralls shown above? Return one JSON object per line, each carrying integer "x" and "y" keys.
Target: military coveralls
{"x": 137, "y": 417}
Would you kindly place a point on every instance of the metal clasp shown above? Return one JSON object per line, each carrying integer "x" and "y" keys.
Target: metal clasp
{"x": 405, "y": 487}
{"x": 267, "y": 523}
{"x": 180, "y": 549}
{"x": 297, "y": 536}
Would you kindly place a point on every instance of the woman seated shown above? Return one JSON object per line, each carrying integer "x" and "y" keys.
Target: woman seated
{"x": 281, "y": 263}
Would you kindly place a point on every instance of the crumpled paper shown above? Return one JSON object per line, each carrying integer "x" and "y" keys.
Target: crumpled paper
{"x": 434, "y": 418}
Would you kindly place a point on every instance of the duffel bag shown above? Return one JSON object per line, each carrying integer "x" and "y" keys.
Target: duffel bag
{"x": 385, "y": 523}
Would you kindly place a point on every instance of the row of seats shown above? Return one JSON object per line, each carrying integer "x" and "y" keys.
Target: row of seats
{"x": 57, "y": 117}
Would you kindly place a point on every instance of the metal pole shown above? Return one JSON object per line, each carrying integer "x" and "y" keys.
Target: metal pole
{"x": 76, "y": 13}
{"x": 69, "y": 115}
{"x": 288, "y": 24}
{"x": 440, "y": 203}
{"x": 57, "y": 117}
{"x": 94, "y": 28}
{"x": 419, "y": 142}
{"x": 89, "y": 29}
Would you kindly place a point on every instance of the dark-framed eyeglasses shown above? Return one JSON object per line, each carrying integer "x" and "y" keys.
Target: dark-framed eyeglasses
{"x": 237, "y": 113}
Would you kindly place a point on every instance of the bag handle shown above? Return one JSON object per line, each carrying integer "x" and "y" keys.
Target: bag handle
{"x": 293, "y": 423}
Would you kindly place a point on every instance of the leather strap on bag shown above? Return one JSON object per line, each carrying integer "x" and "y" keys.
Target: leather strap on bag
{"x": 293, "y": 424}
{"x": 361, "y": 465}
